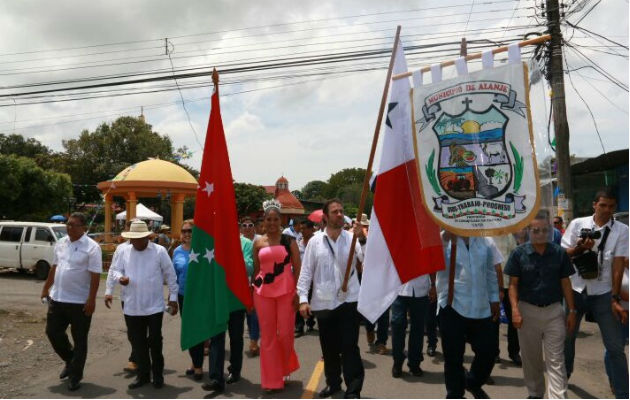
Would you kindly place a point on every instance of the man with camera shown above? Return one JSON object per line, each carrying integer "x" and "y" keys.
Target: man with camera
{"x": 597, "y": 246}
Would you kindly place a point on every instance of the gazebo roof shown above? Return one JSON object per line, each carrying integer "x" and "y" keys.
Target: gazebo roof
{"x": 155, "y": 170}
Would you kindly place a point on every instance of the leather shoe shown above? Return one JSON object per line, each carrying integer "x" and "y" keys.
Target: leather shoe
{"x": 396, "y": 371}
{"x": 298, "y": 333}
{"x": 516, "y": 359}
{"x": 73, "y": 384}
{"x": 431, "y": 351}
{"x": 64, "y": 372}
{"x": 137, "y": 383}
{"x": 329, "y": 391}
{"x": 213, "y": 386}
{"x": 158, "y": 384}
{"x": 478, "y": 393}
{"x": 232, "y": 378}
{"x": 351, "y": 396}
{"x": 416, "y": 371}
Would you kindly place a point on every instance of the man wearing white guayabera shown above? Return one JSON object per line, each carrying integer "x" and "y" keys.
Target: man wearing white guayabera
{"x": 143, "y": 268}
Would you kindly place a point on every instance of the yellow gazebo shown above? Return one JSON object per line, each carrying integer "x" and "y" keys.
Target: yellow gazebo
{"x": 148, "y": 179}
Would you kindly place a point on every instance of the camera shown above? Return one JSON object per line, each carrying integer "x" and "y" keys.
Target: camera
{"x": 586, "y": 233}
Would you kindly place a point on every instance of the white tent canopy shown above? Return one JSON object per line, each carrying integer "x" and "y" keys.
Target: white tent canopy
{"x": 141, "y": 213}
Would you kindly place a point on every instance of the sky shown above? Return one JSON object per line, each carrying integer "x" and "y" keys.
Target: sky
{"x": 304, "y": 123}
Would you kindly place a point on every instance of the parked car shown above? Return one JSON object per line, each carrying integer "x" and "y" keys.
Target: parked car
{"x": 29, "y": 246}
{"x": 622, "y": 216}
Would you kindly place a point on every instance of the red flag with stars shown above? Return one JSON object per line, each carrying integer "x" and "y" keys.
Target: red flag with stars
{"x": 216, "y": 280}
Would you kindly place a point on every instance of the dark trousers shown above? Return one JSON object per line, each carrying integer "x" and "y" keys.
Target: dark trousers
{"x": 382, "y": 328}
{"x": 236, "y": 327}
{"x": 416, "y": 307}
{"x": 455, "y": 330}
{"x": 59, "y": 316}
{"x": 513, "y": 347}
{"x": 195, "y": 352}
{"x": 339, "y": 337}
{"x": 299, "y": 322}
{"x": 146, "y": 340}
{"x": 430, "y": 325}
{"x": 132, "y": 356}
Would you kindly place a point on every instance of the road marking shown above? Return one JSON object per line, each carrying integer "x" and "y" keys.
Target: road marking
{"x": 311, "y": 386}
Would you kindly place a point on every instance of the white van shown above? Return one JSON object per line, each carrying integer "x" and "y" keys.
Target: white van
{"x": 29, "y": 246}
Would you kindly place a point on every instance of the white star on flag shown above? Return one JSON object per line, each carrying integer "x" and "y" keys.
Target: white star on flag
{"x": 209, "y": 188}
{"x": 193, "y": 256}
{"x": 209, "y": 255}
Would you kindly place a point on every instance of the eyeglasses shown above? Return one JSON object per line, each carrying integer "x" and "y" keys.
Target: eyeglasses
{"x": 539, "y": 230}
{"x": 249, "y": 225}
{"x": 186, "y": 230}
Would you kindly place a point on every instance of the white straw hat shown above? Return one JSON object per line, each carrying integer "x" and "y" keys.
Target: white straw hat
{"x": 137, "y": 230}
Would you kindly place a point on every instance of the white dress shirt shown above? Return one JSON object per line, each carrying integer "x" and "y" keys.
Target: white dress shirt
{"x": 417, "y": 287}
{"x": 147, "y": 271}
{"x": 75, "y": 261}
{"x": 616, "y": 246}
{"x": 326, "y": 271}
{"x": 112, "y": 277}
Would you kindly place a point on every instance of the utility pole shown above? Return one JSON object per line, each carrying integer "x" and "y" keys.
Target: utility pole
{"x": 560, "y": 123}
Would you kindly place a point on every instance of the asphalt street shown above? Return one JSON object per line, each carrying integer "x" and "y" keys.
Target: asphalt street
{"x": 109, "y": 350}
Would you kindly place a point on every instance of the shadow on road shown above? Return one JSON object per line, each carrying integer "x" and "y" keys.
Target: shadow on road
{"x": 581, "y": 393}
{"x": 87, "y": 390}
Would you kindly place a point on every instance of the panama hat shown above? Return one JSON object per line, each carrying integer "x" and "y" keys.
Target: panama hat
{"x": 165, "y": 227}
{"x": 364, "y": 220}
{"x": 137, "y": 230}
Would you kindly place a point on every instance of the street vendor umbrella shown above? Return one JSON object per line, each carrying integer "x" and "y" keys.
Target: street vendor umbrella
{"x": 316, "y": 216}
{"x": 58, "y": 218}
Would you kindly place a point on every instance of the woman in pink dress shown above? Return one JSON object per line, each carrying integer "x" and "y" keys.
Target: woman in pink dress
{"x": 276, "y": 269}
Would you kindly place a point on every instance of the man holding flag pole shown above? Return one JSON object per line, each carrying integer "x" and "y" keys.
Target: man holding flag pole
{"x": 217, "y": 281}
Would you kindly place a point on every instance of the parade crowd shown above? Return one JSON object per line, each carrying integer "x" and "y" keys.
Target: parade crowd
{"x": 545, "y": 279}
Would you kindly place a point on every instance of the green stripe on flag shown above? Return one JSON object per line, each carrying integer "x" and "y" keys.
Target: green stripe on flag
{"x": 208, "y": 301}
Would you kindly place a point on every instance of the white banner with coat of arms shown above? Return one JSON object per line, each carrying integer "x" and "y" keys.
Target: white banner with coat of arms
{"x": 475, "y": 151}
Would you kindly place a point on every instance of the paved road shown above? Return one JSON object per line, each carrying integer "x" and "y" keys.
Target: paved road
{"x": 109, "y": 350}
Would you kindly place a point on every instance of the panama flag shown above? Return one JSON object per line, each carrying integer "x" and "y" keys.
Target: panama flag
{"x": 216, "y": 282}
{"x": 403, "y": 242}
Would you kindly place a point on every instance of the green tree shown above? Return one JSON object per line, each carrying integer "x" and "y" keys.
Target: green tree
{"x": 314, "y": 190}
{"x": 98, "y": 156}
{"x": 31, "y": 148}
{"x": 249, "y": 198}
{"x": 343, "y": 178}
{"x": 29, "y": 192}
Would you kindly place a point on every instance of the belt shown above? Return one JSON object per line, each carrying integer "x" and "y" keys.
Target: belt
{"x": 543, "y": 305}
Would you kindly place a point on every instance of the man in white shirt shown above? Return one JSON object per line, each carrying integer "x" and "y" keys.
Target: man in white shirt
{"x": 597, "y": 289}
{"x": 143, "y": 268}
{"x": 324, "y": 266}
{"x": 74, "y": 278}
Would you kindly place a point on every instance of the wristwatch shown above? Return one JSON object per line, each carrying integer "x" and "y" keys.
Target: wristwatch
{"x": 616, "y": 298}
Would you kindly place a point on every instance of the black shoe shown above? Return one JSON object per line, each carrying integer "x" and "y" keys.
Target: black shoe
{"x": 232, "y": 378}
{"x": 516, "y": 359}
{"x": 416, "y": 371}
{"x": 396, "y": 371}
{"x": 534, "y": 397}
{"x": 431, "y": 351}
{"x": 198, "y": 377}
{"x": 64, "y": 372}
{"x": 351, "y": 396}
{"x": 138, "y": 382}
{"x": 73, "y": 384}
{"x": 478, "y": 393}
{"x": 298, "y": 333}
{"x": 213, "y": 386}
{"x": 329, "y": 391}
{"x": 310, "y": 329}
{"x": 158, "y": 382}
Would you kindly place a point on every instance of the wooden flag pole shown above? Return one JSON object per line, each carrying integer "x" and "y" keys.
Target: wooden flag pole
{"x": 368, "y": 171}
{"x": 215, "y": 78}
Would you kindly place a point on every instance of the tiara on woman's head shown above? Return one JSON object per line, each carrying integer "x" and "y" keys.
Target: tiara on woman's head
{"x": 269, "y": 204}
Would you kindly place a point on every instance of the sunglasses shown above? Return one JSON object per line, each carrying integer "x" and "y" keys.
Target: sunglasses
{"x": 249, "y": 225}
{"x": 539, "y": 230}
{"x": 186, "y": 230}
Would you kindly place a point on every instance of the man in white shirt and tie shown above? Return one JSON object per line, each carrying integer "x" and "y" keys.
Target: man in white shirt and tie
{"x": 324, "y": 265}
{"x": 74, "y": 278}
{"x": 143, "y": 268}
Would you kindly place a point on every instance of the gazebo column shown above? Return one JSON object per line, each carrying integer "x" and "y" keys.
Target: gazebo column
{"x": 108, "y": 218}
{"x": 131, "y": 206}
{"x": 177, "y": 214}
